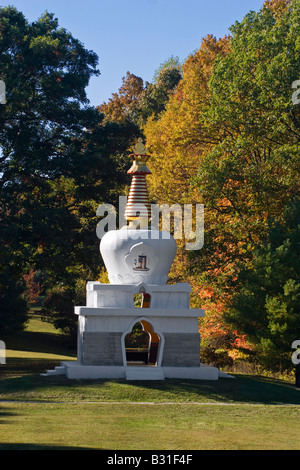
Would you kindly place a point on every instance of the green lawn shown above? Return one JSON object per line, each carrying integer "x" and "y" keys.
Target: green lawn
{"x": 37, "y": 412}
{"x": 148, "y": 427}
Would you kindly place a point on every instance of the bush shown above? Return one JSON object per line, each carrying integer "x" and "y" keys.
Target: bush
{"x": 13, "y": 306}
{"x": 58, "y": 308}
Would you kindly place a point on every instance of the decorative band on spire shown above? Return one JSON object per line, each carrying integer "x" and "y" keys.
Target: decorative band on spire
{"x": 138, "y": 204}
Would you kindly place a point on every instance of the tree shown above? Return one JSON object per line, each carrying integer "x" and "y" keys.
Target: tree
{"x": 249, "y": 174}
{"x": 45, "y": 71}
{"x": 119, "y": 106}
{"x": 229, "y": 138}
{"x": 58, "y": 308}
{"x": 177, "y": 140}
{"x": 267, "y": 306}
{"x": 178, "y": 137}
{"x": 155, "y": 96}
{"x": 252, "y": 171}
{"x": 135, "y": 101}
{"x": 14, "y": 308}
{"x": 58, "y": 158}
{"x": 33, "y": 286}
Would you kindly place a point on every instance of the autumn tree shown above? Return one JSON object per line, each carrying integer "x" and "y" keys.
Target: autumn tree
{"x": 232, "y": 144}
{"x": 251, "y": 173}
{"x": 179, "y": 136}
{"x": 136, "y": 101}
{"x": 119, "y": 106}
{"x": 33, "y": 286}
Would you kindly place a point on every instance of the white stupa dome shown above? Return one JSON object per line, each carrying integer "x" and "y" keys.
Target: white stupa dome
{"x": 133, "y": 255}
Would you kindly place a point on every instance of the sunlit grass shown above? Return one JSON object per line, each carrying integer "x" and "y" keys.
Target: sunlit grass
{"x": 148, "y": 427}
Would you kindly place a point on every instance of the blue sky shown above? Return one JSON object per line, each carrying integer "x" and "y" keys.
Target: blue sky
{"x": 137, "y": 35}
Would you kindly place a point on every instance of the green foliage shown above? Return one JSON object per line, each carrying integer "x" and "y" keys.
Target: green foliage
{"x": 59, "y": 160}
{"x": 171, "y": 64}
{"x": 13, "y": 306}
{"x": 255, "y": 162}
{"x": 138, "y": 338}
{"x": 267, "y": 304}
{"x": 59, "y": 308}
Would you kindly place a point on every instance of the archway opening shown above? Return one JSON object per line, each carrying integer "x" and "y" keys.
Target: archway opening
{"x": 141, "y": 299}
{"x": 142, "y": 344}
{"x": 137, "y": 344}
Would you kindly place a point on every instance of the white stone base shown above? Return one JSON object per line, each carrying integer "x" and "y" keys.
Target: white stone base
{"x": 74, "y": 370}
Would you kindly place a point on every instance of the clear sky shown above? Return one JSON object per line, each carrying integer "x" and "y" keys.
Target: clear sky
{"x": 137, "y": 35}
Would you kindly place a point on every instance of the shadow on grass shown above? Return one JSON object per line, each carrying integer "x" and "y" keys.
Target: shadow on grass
{"x": 40, "y": 342}
{"x": 243, "y": 389}
{"x": 17, "y": 446}
{"x": 5, "y": 414}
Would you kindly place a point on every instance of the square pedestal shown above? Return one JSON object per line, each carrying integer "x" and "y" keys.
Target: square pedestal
{"x": 110, "y": 315}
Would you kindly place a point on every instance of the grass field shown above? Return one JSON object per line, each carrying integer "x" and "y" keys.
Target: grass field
{"x": 37, "y": 412}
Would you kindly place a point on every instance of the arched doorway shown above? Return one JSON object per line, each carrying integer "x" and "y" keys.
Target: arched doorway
{"x": 141, "y": 344}
{"x": 137, "y": 344}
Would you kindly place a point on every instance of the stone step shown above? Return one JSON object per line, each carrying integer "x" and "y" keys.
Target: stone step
{"x": 144, "y": 373}
{"x": 59, "y": 370}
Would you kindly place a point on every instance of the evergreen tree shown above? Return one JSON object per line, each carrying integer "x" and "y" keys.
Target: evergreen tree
{"x": 267, "y": 305}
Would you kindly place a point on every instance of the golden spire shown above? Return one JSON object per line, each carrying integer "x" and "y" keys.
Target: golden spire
{"x": 138, "y": 204}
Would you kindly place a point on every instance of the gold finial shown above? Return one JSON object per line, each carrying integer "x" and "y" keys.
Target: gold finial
{"x": 140, "y": 159}
{"x": 139, "y": 148}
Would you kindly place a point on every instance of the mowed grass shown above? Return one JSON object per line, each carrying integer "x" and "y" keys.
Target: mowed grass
{"x": 37, "y": 412}
{"x": 148, "y": 427}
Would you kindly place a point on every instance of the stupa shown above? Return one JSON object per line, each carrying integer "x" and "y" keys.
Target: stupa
{"x": 138, "y": 260}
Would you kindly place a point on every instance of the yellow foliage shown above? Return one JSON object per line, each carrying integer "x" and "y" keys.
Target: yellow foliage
{"x": 178, "y": 139}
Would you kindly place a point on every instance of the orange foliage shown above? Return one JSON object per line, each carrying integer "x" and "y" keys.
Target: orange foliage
{"x": 278, "y": 7}
{"x": 33, "y": 288}
{"x": 117, "y": 107}
{"x": 213, "y": 327}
